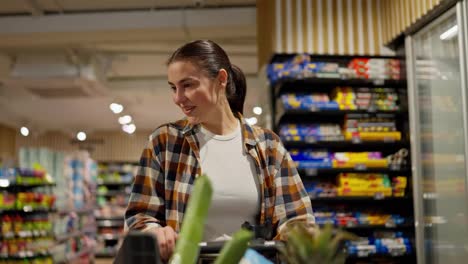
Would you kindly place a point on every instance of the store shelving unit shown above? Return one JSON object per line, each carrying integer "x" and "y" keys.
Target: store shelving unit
{"x": 13, "y": 231}
{"x": 281, "y": 115}
{"x": 114, "y": 181}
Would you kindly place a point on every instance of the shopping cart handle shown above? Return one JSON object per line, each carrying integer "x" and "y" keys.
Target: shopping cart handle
{"x": 261, "y": 246}
{"x": 138, "y": 247}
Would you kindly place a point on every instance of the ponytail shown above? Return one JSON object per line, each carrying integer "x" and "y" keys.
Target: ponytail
{"x": 237, "y": 89}
{"x": 211, "y": 58}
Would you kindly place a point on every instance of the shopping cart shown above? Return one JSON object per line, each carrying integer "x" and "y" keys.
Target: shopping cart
{"x": 142, "y": 248}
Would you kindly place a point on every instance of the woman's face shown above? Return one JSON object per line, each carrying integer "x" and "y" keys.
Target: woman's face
{"x": 193, "y": 91}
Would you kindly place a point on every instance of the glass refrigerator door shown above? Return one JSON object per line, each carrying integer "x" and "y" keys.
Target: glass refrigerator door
{"x": 439, "y": 104}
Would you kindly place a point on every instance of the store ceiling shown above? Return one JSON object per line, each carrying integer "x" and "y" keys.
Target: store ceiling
{"x": 49, "y": 46}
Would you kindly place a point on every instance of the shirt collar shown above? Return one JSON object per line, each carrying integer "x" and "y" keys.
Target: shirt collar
{"x": 247, "y": 130}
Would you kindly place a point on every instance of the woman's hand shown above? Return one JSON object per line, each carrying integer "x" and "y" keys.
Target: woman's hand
{"x": 166, "y": 240}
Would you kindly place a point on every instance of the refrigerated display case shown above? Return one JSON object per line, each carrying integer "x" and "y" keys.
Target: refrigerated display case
{"x": 438, "y": 123}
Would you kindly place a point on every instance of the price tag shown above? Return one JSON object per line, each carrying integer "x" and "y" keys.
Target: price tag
{"x": 310, "y": 139}
{"x": 363, "y": 254}
{"x": 360, "y": 167}
{"x": 389, "y": 140}
{"x": 313, "y": 108}
{"x": 395, "y": 167}
{"x": 379, "y": 81}
{"x": 379, "y": 196}
{"x": 311, "y": 172}
{"x": 356, "y": 140}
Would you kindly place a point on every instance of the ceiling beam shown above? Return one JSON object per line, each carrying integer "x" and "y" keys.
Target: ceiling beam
{"x": 34, "y": 7}
{"x": 25, "y": 32}
{"x": 130, "y": 20}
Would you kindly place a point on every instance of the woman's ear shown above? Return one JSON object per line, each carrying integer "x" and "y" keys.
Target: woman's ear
{"x": 223, "y": 78}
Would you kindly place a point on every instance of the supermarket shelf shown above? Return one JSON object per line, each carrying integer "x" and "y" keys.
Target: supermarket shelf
{"x": 359, "y": 199}
{"x": 21, "y": 186}
{"x": 329, "y": 171}
{"x": 283, "y": 84}
{"x": 376, "y": 227}
{"x": 348, "y": 144}
{"x": 27, "y": 234}
{"x": 406, "y": 258}
{"x": 22, "y": 257}
{"x": 114, "y": 183}
{"x": 283, "y": 57}
{"x": 27, "y": 209}
{"x": 309, "y": 113}
{"x": 321, "y": 116}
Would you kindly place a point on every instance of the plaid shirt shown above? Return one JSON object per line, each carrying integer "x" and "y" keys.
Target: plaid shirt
{"x": 170, "y": 163}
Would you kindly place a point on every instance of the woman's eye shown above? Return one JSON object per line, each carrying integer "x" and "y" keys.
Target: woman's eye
{"x": 173, "y": 88}
{"x": 187, "y": 85}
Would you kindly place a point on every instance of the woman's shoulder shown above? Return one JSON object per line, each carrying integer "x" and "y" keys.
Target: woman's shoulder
{"x": 265, "y": 134}
{"x": 175, "y": 128}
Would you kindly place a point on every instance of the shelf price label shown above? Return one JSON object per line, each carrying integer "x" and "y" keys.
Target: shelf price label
{"x": 356, "y": 139}
{"x": 311, "y": 172}
{"x": 395, "y": 167}
{"x": 313, "y": 108}
{"x": 360, "y": 167}
{"x": 379, "y": 81}
{"x": 310, "y": 139}
{"x": 389, "y": 140}
{"x": 379, "y": 196}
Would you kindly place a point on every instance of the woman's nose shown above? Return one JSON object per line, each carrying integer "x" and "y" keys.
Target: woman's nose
{"x": 179, "y": 96}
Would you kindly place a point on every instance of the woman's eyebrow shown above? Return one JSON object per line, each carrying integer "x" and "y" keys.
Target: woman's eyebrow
{"x": 183, "y": 80}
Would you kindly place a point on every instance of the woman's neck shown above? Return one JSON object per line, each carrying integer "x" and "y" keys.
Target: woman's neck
{"x": 222, "y": 123}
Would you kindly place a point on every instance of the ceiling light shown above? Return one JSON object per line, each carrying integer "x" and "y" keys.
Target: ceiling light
{"x": 130, "y": 128}
{"x": 116, "y": 108}
{"x": 252, "y": 121}
{"x": 450, "y": 33}
{"x": 126, "y": 119}
{"x": 24, "y": 131}
{"x": 81, "y": 136}
{"x": 257, "y": 110}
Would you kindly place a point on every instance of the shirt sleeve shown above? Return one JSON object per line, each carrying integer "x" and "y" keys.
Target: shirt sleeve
{"x": 292, "y": 200}
{"x": 146, "y": 206}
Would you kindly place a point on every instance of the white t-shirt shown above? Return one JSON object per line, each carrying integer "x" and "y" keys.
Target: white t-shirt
{"x": 234, "y": 179}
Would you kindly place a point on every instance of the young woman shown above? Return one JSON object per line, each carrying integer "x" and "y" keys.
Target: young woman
{"x": 253, "y": 176}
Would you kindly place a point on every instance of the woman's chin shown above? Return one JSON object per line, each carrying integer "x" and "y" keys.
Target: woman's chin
{"x": 193, "y": 120}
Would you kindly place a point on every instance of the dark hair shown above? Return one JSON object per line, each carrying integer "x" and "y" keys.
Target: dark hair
{"x": 210, "y": 57}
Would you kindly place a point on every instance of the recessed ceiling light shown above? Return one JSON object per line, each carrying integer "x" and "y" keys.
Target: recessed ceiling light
{"x": 257, "y": 110}
{"x": 252, "y": 121}
{"x": 126, "y": 119}
{"x": 130, "y": 128}
{"x": 116, "y": 108}
{"x": 24, "y": 131}
{"x": 81, "y": 136}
